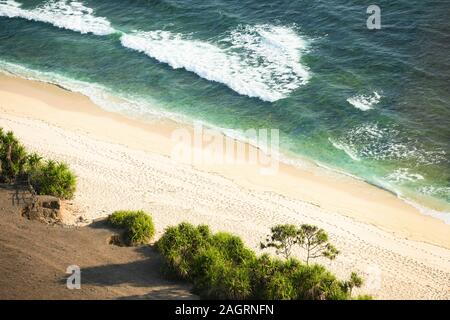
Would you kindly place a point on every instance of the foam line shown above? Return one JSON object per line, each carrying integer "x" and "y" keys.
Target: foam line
{"x": 62, "y": 14}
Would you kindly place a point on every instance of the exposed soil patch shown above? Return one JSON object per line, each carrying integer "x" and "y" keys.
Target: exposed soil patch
{"x": 45, "y": 209}
{"x": 34, "y": 257}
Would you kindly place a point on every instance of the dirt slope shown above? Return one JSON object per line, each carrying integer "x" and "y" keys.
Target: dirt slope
{"x": 34, "y": 258}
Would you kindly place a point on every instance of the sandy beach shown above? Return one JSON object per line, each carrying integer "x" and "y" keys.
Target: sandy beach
{"x": 126, "y": 164}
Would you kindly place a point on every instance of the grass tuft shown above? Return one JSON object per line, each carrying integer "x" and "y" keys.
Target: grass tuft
{"x": 138, "y": 226}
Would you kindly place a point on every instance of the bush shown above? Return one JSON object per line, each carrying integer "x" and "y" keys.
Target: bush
{"x": 217, "y": 277}
{"x": 232, "y": 248}
{"x": 221, "y": 267}
{"x": 53, "y": 178}
{"x": 276, "y": 279}
{"x": 235, "y": 284}
{"x": 12, "y": 157}
{"x": 316, "y": 283}
{"x": 49, "y": 178}
{"x": 179, "y": 245}
{"x": 138, "y": 225}
{"x": 273, "y": 280}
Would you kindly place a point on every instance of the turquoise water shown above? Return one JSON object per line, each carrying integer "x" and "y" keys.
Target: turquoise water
{"x": 372, "y": 103}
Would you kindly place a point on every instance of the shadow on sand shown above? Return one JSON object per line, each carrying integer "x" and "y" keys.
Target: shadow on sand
{"x": 144, "y": 273}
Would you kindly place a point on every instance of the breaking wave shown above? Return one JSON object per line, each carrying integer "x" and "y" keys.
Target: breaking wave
{"x": 365, "y": 102}
{"x": 261, "y": 61}
{"x": 257, "y": 61}
{"x": 62, "y": 14}
{"x": 376, "y": 142}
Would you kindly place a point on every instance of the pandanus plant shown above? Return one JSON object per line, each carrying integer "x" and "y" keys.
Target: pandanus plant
{"x": 13, "y": 157}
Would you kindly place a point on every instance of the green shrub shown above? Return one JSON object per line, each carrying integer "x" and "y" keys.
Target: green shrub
{"x": 235, "y": 283}
{"x": 33, "y": 162}
{"x": 12, "y": 157}
{"x": 138, "y": 225}
{"x": 279, "y": 287}
{"x": 232, "y": 247}
{"x": 179, "y": 245}
{"x": 316, "y": 283}
{"x": 53, "y": 178}
{"x": 276, "y": 279}
{"x": 206, "y": 269}
{"x": 355, "y": 281}
{"x": 273, "y": 278}
{"x": 221, "y": 267}
{"x": 49, "y": 178}
{"x": 118, "y": 218}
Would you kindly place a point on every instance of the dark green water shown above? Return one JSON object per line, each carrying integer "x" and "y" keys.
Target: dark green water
{"x": 372, "y": 103}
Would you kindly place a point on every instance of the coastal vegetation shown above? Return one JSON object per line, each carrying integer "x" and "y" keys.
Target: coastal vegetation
{"x": 220, "y": 266}
{"x": 138, "y": 226}
{"x": 314, "y": 241}
{"x": 53, "y": 178}
{"x": 47, "y": 177}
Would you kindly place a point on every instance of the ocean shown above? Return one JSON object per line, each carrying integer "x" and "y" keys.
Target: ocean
{"x": 374, "y": 104}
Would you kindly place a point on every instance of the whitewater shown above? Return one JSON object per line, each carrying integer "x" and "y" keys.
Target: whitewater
{"x": 261, "y": 61}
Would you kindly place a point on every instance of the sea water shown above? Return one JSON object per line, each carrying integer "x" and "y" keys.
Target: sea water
{"x": 371, "y": 103}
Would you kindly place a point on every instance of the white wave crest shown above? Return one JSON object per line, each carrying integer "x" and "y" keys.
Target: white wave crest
{"x": 71, "y": 15}
{"x": 376, "y": 142}
{"x": 443, "y": 192}
{"x": 365, "y": 102}
{"x": 260, "y": 61}
{"x": 404, "y": 174}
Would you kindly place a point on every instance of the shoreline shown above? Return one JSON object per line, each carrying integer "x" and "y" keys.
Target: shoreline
{"x": 325, "y": 188}
{"x": 165, "y": 120}
{"x": 125, "y": 164}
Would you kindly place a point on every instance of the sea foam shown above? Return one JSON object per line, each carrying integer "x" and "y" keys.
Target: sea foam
{"x": 365, "y": 102}
{"x": 404, "y": 175}
{"x": 256, "y": 61}
{"x": 62, "y": 14}
{"x": 386, "y": 143}
{"x": 261, "y": 61}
